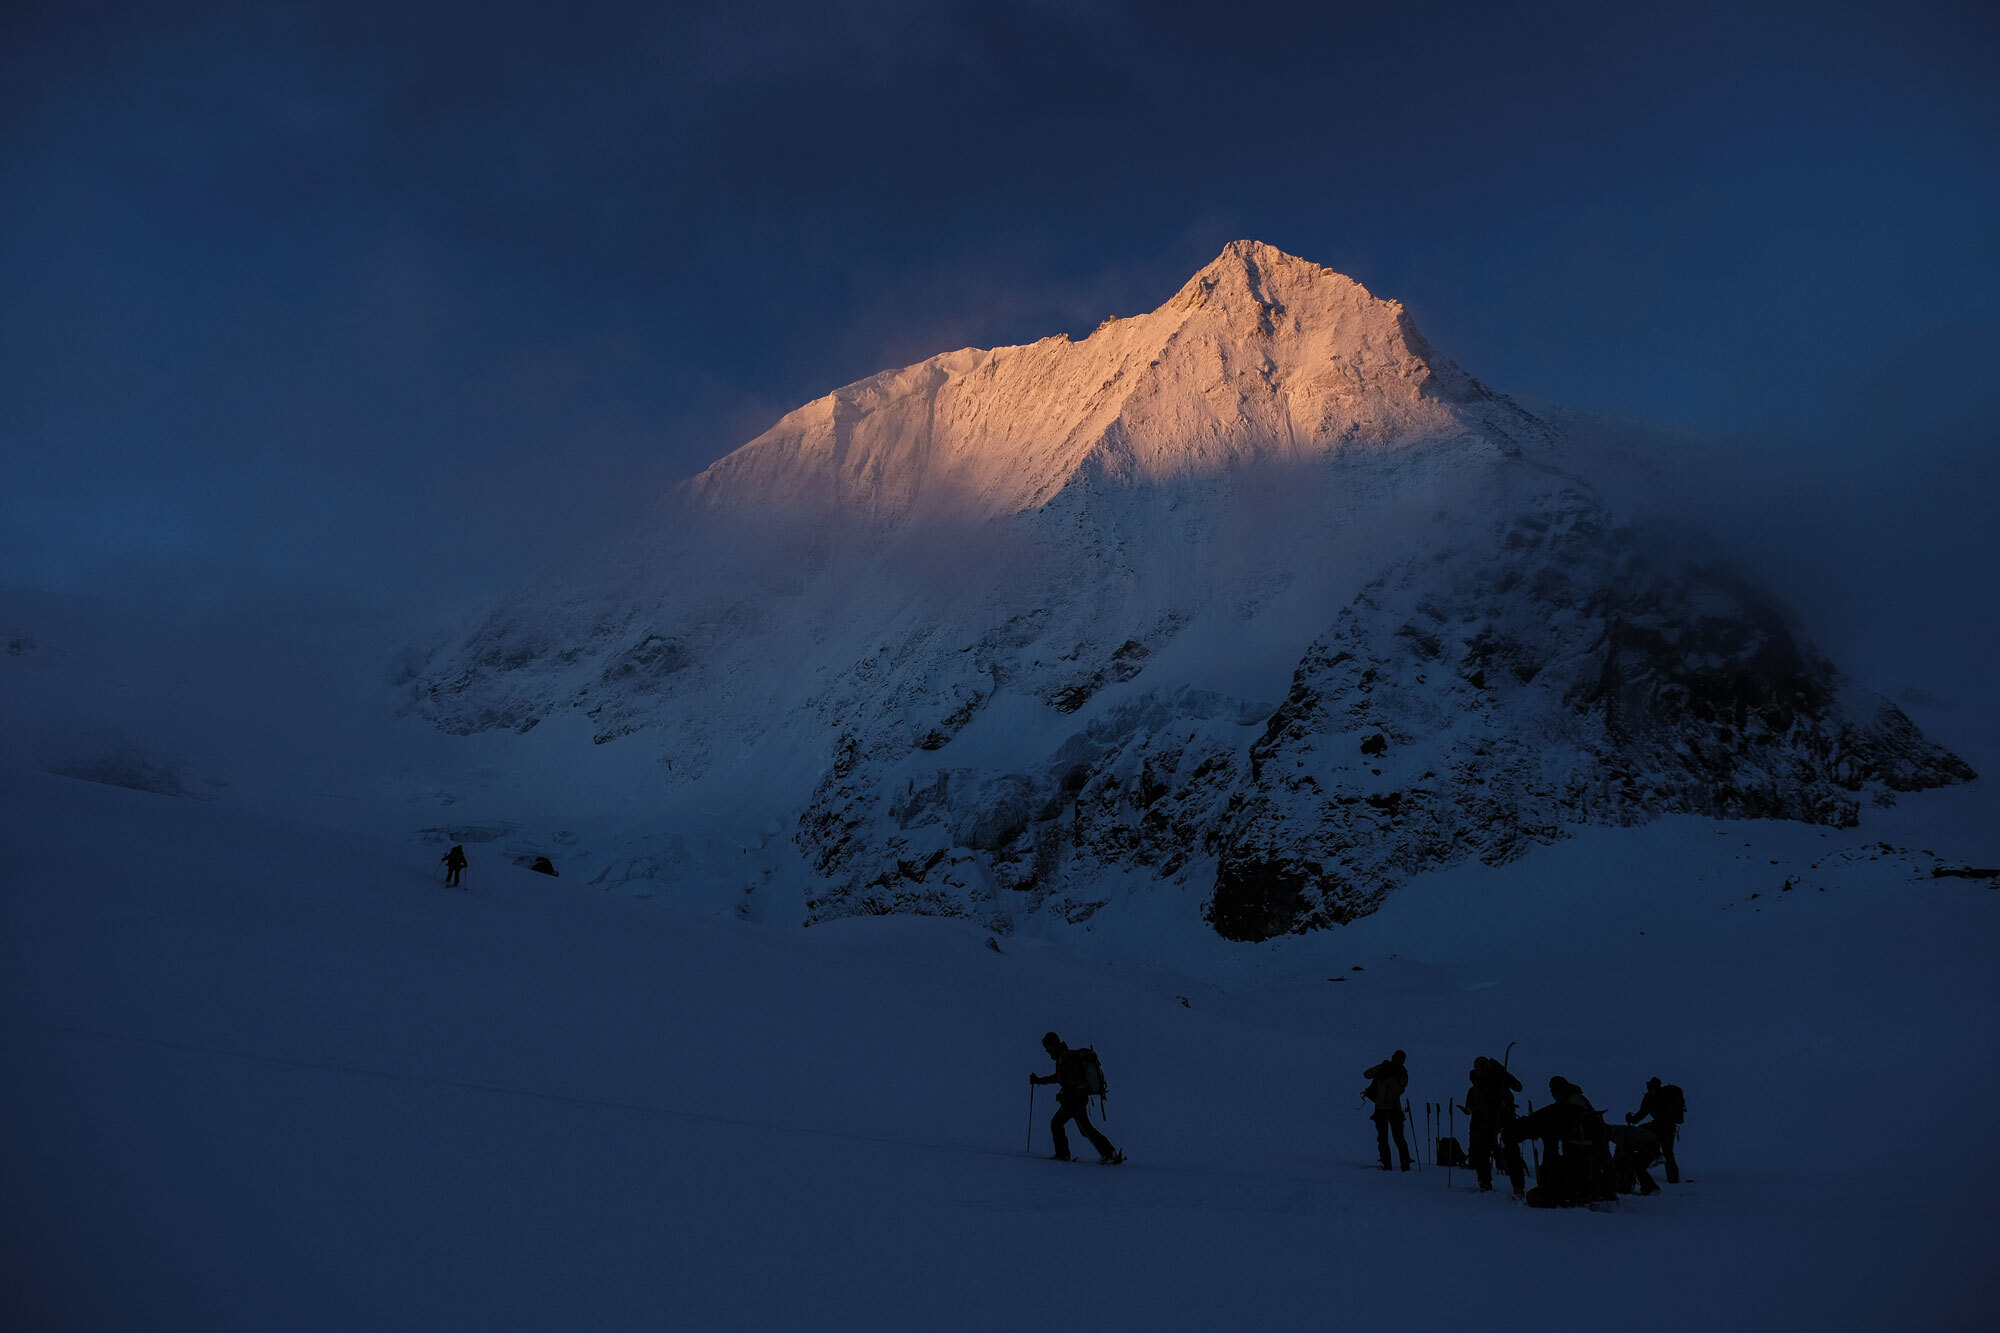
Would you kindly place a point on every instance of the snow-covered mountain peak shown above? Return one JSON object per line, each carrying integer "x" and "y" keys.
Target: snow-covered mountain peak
{"x": 1253, "y": 601}
{"x": 1260, "y": 356}
{"x": 1250, "y": 278}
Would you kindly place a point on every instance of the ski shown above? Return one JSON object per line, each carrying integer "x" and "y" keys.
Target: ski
{"x": 1119, "y": 1160}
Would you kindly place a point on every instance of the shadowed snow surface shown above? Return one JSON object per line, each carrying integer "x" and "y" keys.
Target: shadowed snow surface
{"x": 268, "y": 1075}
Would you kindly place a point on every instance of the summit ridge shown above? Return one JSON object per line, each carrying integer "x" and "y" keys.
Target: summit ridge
{"x": 1260, "y": 355}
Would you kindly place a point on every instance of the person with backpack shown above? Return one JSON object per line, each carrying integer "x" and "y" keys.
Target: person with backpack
{"x": 1558, "y": 1175}
{"x": 1586, "y": 1144}
{"x": 454, "y": 866}
{"x": 1079, "y": 1078}
{"x": 1668, "y": 1108}
{"x": 1636, "y": 1148}
{"x": 1574, "y": 1168}
{"x": 1386, "y": 1082}
{"x": 1490, "y": 1104}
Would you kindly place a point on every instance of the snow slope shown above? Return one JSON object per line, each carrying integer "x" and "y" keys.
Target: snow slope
{"x": 265, "y": 1074}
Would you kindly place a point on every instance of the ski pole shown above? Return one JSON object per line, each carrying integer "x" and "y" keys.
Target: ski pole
{"x": 1031, "y": 1116}
{"x": 1451, "y": 1113}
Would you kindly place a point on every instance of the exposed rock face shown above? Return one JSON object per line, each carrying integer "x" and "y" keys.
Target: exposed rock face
{"x": 1477, "y": 704}
{"x": 1009, "y": 631}
{"x": 1472, "y": 703}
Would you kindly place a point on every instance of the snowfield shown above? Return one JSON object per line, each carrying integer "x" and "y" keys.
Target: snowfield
{"x": 265, "y": 1074}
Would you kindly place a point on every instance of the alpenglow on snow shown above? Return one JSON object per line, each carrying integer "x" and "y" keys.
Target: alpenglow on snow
{"x": 1254, "y": 600}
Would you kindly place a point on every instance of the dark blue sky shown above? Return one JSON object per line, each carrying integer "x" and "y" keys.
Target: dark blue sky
{"x": 400, "y": 299}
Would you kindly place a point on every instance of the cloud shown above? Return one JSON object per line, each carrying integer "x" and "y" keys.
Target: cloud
{"x": 410, "y": 299}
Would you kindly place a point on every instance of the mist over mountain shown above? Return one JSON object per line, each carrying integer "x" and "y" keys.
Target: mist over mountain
{"x": 1252, "y": 606}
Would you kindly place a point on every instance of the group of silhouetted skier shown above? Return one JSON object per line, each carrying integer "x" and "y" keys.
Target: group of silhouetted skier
{"x": 1579, "y": 1159}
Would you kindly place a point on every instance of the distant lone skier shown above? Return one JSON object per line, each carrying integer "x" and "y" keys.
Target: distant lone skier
{"x": 1665, "y": 1104}
{"x": 1386, "y": 1083}
{"x": 1076, "y": 1072}
{"x": 454, "y": 866}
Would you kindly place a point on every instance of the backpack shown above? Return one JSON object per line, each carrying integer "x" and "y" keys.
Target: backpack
{"x": 1675, "y": 1104}
{"x": 1449, "y": 1153}
{"x": 1092, "y": 1071}
{"x": 1641, "y": 1145}
{"x": 1586, "y": 1128}
{"x": 1386, "y": 1089}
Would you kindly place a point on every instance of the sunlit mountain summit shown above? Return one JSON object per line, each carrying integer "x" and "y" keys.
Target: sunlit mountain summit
{"x": 1235, "y": 614}
{"x": 1260, "y": 358}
